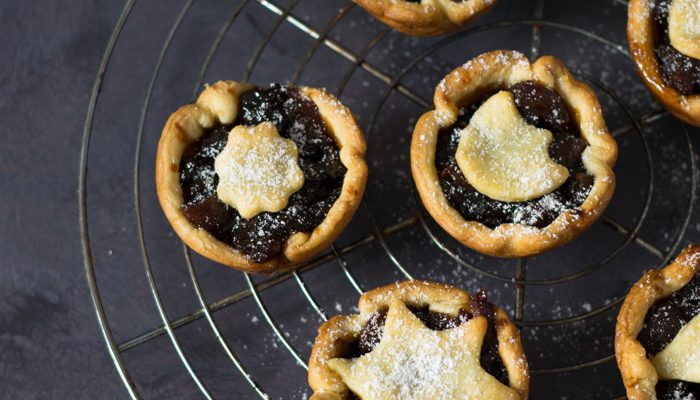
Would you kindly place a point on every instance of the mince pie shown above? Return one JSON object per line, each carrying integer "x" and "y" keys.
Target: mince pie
{"x": 657, "y": 338}
{"x": 426, "y": 17}
{"x": 664, "y": 39}
{"x": 516, "y": 158}
{"x": 260, "y": 178}
{"x": 417, "y": 340}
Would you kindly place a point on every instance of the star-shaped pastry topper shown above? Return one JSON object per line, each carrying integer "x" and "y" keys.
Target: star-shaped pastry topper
{"x": 506, "y": 158}
{"x": 412, "y": 362}
{"x": 258, "y": 170}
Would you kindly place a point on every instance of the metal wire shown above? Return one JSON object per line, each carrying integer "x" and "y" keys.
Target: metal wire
{"x": 190, "y": 267}
{"x": 521, "y": 271}
{"x": 215, "y": 46}
{"x": 295, "y": 79}
{"x": 441, "y": 245}
{"x": 105, "y": 328}
{"x": 630, "y": 235}
{"x": 137, "y": 206}
{"x": 561, "y": 370}
{"x": 344, "y": 52}
{"x": 393, "y": 84}
{"x": 227, "y": 301}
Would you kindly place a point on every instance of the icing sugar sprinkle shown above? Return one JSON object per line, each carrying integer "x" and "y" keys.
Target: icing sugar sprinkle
{"x": 258, "y": 170}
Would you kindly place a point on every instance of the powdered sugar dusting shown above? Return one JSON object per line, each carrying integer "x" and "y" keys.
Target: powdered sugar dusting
{"x": 690, "y": 12}
{"x": 258, "y": 170}
{"x": 681, "y": 358}
{"x": 506, "y": 158}
{"x": 414, "y": 362}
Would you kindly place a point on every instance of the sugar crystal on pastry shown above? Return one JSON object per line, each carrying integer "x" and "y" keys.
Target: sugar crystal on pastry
{"x": 418, "y": 340}
{"x": 301, "y": 174}
{"x": 533, "y": 175}
{"x": 664, "y": 40}
{"x": 657, "y": 337}
{"x": 681, "y": 358}
{"x": 684, "y": 26}
{"x": 414, "y": 362}
{"x": 506, "y": 158}
{"x": 258, "y": 170}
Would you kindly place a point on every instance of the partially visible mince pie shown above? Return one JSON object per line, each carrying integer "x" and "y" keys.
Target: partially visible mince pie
{"x": 657, "y": 338}
{"x": 260, "y": 178}
{"x": 418, "y": 340}
{"x": 664, "y": 39}
{"x": 426, "y": 17}
{"x": 516, "y": 158}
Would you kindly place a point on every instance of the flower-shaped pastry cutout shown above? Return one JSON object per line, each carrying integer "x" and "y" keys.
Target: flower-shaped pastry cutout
{"x": 414, "y": 362}
{"x": 258, "y": 170}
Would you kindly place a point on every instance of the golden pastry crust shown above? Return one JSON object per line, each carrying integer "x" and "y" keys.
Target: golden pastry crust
{"x": 640, "y": 36}
{"x": 488, "y": 73}
{"x": 428, "y": 17}
{"x": 218, "y": 103}
{"x": 638, "y": 373}
{"x": 338, "y": 332}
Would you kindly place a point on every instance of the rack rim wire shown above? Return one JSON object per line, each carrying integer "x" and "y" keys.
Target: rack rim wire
{"x": 393, "y": 84}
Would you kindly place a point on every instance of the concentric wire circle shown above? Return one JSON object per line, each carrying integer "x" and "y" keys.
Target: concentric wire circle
{"x": 420, "y": 221}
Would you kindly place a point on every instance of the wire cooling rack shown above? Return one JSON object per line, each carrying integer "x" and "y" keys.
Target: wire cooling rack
{"x": 193, "y": 329}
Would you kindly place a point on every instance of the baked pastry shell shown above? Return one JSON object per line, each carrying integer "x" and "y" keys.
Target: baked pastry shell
{"x": 218, "y": 104}
{"x": 640, "y": 37}
{"x": 468, "y": 83}
{"x": 638, "y": 373}
{"x": 338, "y": 332}
{"x": 430, "y": 17}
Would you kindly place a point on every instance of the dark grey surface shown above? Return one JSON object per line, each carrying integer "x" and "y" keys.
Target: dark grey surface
{"x": 50, "y": 344}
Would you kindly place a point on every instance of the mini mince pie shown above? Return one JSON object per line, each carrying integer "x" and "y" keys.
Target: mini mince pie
{"x": 657, "y": 338}
{"x": 664, "y": 39}
{"x": 516, "y": 158}
{"x": 426, "y": 17}
{"x": 417, "y": 340}
{"x": 260, "y": 178}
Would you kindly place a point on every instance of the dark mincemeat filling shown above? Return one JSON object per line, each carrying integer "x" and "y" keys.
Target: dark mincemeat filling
{"x": 677, "y": 70}
{"x": 661, "y": 325}
{"x": 543, "y": 108}
{"x": 262, "y": 237}
{"x": 491, "y": 361}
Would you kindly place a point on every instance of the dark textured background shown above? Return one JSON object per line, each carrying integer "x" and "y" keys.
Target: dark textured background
{"x": 50, "y": 343}
{"x": 50, "y": 346}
